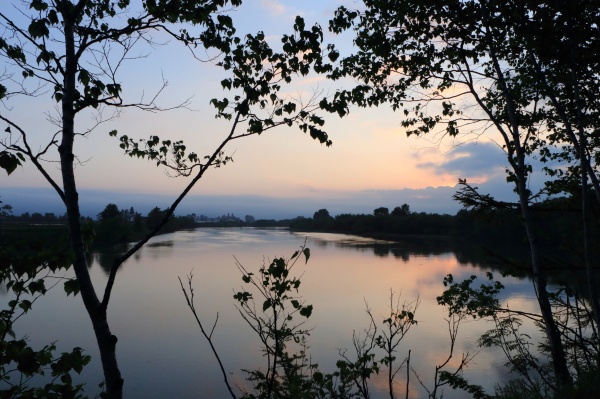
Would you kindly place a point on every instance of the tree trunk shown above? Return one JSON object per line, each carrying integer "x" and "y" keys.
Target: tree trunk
{"x": 516, "y": 150}
{"x": 559, "y": 360}
{"x": 585, "y": 210}
{"x": 585, "y": 165}
{"x": 106, "y": 341}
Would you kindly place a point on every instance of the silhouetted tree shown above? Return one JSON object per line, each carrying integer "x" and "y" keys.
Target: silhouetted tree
{"x": 112, "y": 226}
{"x": 322, "y": 219}
{"x": 111, "y": 211}
{"x": 155, "y": 217}
{"x": 403, "y": 210}
{"x": 381, "y": 211}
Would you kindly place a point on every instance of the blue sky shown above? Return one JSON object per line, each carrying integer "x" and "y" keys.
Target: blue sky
{"x": 283, "y": 173}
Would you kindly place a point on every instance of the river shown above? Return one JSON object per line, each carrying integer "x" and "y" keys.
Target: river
{"x": 163, "y": 355}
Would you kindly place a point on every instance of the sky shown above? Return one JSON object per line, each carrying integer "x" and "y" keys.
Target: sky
{"x": 282, "y": 173}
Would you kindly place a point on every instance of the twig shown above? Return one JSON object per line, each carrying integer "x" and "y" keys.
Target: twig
{"x": 189, "y": 298}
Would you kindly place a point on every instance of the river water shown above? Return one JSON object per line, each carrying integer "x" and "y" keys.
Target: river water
{"x": 163, "y": 355}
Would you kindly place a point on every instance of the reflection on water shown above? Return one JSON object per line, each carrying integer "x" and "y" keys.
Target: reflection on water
{"x": 162, "y": 354}
{"x": 160, "y": 244}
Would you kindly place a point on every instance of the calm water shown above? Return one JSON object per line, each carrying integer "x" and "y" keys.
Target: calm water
{"x": 163, "y": 355}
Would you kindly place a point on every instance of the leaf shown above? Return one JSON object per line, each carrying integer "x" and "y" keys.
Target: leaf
{"x": 25, "y": 305}
{"x": 318, "y": 377}
{"x": 4, "y": 329}
{"x": 242, "y": 297}
{"x": 9, "y": 162}
{"x": 37, "y": 28}
{"x": 333, "y": 55}
{"x": 72, "y": 287}
{"x": 306, "y": 252}
{"x": 306, "y": 311}
{"x": 226, "y": 84}
{"x": 38, "y": 5}
{"x": 84, "y": 77}
{"x": 267, "y": 305}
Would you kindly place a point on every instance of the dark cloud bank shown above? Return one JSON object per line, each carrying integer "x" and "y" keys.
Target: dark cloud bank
{"x": 430, "y": 200}
{"x": 466, "y": 161}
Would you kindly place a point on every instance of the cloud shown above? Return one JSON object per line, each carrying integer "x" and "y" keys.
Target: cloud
{"x": 470, "y": 160}
{"x": 429, "y": 200}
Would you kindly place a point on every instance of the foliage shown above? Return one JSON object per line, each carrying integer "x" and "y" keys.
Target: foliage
{"x": 126, "y": 225}
{"x": 383, "y": 222}
{"x": 462, "y": 299}
{"x": 557, "y": 224}
{"x": 403, "y": 222}
{"x": 393, "y": 331}
{"x": 25, "y": 270}
{"x": 525, "y": 356}
{"x": 275, "y": 325}
{"x": 381, "y": 211}
{"x": 9, "y": 161}
{"x": 403, "y": 210}
{"x": 322, "y": 219}
{"x": 270, "y": 304}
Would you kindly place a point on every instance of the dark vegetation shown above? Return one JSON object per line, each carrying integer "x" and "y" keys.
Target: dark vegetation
{"x": 117, "y": 226}
{"x": 270, "y": 303}
{"x": 556, "y": 220}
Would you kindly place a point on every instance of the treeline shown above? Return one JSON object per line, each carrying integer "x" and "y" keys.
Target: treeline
{"x": 557, "y": 221}
{"x": 399, "y": 221}
{"x": 111, "y": 226}
{"x": 114, "y": 225}
{"x": 35, "y": 217}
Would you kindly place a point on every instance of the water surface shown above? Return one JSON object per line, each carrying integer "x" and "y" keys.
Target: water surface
{"x": 163, "y": 355}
